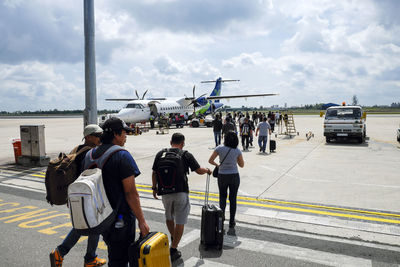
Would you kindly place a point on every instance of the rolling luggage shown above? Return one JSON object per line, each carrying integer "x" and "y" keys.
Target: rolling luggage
{"x": 151, "y": 250}
{"x": 212, "y": 223}
{"x": 272, "y": 145}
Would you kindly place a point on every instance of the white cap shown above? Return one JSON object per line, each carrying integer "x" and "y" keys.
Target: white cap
{"x": 92, "y": 129}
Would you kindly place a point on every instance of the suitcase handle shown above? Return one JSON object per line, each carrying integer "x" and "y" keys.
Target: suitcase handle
{"x": 207, "y": 190}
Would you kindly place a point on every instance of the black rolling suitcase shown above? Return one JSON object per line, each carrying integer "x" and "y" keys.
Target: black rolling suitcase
{"x": 212, "y": 224}
{"x": 272, "y": 145}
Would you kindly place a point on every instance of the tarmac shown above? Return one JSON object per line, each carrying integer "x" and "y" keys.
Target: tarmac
{"x": 348, "y": 187}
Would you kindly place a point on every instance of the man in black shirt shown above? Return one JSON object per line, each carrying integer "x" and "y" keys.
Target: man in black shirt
{"x": 217, "y": 128}
{"x": 119, "y": 173}
{"x": 177, "y": 205}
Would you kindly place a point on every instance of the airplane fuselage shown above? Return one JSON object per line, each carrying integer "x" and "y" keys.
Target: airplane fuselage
{"x": 140, "y": 110}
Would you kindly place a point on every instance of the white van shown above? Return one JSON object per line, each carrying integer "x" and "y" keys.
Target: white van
{"x": 345, "y": 122}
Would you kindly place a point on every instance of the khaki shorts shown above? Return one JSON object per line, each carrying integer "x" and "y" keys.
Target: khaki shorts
{"x": 177, "y": 207}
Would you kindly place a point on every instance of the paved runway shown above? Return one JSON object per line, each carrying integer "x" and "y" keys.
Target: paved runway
{"x": 344, "y": 174}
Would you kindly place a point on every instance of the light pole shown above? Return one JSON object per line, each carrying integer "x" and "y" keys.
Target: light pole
{"x": 90, "y": 112}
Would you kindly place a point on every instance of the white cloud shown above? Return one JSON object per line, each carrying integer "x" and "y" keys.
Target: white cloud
{"x": 308, "y": 51}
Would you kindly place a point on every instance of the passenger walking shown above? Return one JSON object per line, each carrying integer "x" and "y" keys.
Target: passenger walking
{"x": 92, "y": 134}
{"x": 228, "y": 174}
{"x": 245, "y": 132}
{"x": 119, "y": 173}
{"x": 272, "y": 121}
{"x": 253, "y": 128}
{"x": 265, "y": 129}
{"x": 169, "y": 179}
{"x": 229, "y": 126}
{"x": 217, "y": 128}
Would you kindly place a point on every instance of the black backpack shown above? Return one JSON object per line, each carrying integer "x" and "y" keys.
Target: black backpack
{"x": 245, "y": 129}
{"x": 171, "y": 172}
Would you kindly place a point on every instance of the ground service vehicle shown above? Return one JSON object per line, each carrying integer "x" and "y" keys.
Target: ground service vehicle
{"x": 207, "y": 121}
{"x": 345, "y": 122}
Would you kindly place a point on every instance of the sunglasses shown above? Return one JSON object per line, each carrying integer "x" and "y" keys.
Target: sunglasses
{"x": 96, "y": 135}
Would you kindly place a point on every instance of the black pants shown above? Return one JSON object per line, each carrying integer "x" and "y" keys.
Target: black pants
{"x": 118, "y": 241}
{"x": 231, "y": 182}
{"x": 245, "y": 141}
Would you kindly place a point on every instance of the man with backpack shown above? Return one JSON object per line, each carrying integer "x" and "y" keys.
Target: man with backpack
{"x": 229, "y": 126}
{"x": 92, "y": 134}
{"x": 217, "y": 128}
{"x": 169, "y": 178}
{"x": 119, "y": 171}
{"x": 245, "y": 132}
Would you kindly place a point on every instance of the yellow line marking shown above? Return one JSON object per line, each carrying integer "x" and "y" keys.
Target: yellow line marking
{"x": 335, "y": 214}
{"x": 292, "y": 203}
{"x": 38, "y": 175}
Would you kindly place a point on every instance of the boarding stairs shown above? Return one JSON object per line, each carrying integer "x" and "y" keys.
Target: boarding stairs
{"x": 290, "y": 127}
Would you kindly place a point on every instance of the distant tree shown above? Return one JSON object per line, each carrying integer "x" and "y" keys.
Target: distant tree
{"x": 355, "y": 100}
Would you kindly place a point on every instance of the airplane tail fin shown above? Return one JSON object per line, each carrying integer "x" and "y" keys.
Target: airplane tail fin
{"x": 217, "y": 89}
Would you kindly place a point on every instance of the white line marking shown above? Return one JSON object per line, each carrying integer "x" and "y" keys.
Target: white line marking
{"x": 27, "y": 184}
{"x": 22, "y": 188}
{"x": 193, "y": 261}
{"x": 293, "y": 252}
{"x": 268, "y": 168}
{"x": 189, "y": 237}
{"x": 362, "y": 184}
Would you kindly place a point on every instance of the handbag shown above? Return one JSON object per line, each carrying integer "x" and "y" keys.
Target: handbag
{"x": 216, "y": 169}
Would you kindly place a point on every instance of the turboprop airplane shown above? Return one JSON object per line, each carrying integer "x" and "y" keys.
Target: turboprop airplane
{"x": 139, "y": 109}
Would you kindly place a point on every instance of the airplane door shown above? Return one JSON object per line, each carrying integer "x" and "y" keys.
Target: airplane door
{"x": 153, "y": 109}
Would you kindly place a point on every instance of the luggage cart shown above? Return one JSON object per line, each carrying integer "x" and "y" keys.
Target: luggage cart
{"x": 163, "y": 126}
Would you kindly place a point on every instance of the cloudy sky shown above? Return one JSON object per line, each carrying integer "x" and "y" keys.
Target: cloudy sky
{"x": 307, "y": 51}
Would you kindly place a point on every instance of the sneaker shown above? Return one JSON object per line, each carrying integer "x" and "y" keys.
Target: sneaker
{"x": 175, "y": 254}
{"x": 96, "y": 262}
{"x": 56, "y": 259}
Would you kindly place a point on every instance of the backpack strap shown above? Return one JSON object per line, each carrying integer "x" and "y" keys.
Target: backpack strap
{"x": 82, "y": 150}
{"x": 90, "y": 161}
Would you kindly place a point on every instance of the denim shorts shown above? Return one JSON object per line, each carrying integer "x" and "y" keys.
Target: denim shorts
{"x": 177, "y": 207}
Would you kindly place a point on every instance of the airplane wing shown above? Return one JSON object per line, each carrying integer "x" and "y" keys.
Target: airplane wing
{"x": 120, "y": 99}
{"x": 237, "y": 96}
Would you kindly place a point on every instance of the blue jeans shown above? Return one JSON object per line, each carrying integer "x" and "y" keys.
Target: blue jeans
{"x": 217, "y": 137}
{"x": 262, "y": 142}
{"x": 73, "y": 237}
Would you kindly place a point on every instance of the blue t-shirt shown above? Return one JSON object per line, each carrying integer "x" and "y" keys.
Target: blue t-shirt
{"x": 118, "y": 167}
{"x": 229, "y": 166}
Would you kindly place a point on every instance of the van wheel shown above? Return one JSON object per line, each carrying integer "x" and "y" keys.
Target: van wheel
{"x": 361, "y": 140}
{"x": 328, "y": 139}
{"x": 195, "y": 124}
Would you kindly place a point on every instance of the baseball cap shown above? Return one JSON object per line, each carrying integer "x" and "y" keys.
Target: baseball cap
{"x": 92, "y": 129}
{"x": 115, "y": 124}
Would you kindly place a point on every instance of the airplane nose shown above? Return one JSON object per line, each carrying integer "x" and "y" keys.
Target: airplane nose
{"x": 123, "y": 115}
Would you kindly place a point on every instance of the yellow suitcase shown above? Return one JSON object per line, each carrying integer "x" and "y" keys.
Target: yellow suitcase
{"x": 152, "y": 250}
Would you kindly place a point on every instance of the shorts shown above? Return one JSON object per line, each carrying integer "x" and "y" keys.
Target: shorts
{"x": 177, "y": 207}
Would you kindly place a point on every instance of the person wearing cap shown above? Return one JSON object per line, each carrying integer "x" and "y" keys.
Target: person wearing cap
{"x": 91, "y": 135}
{"x": 119, "y": 173}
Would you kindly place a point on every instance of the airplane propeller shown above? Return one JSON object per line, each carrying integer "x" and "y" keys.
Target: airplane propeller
{"x": 195, "y": 100}
{"x": 137, "y": 95}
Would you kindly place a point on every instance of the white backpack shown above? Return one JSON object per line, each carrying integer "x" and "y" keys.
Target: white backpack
{"x": 91, "y": 212}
